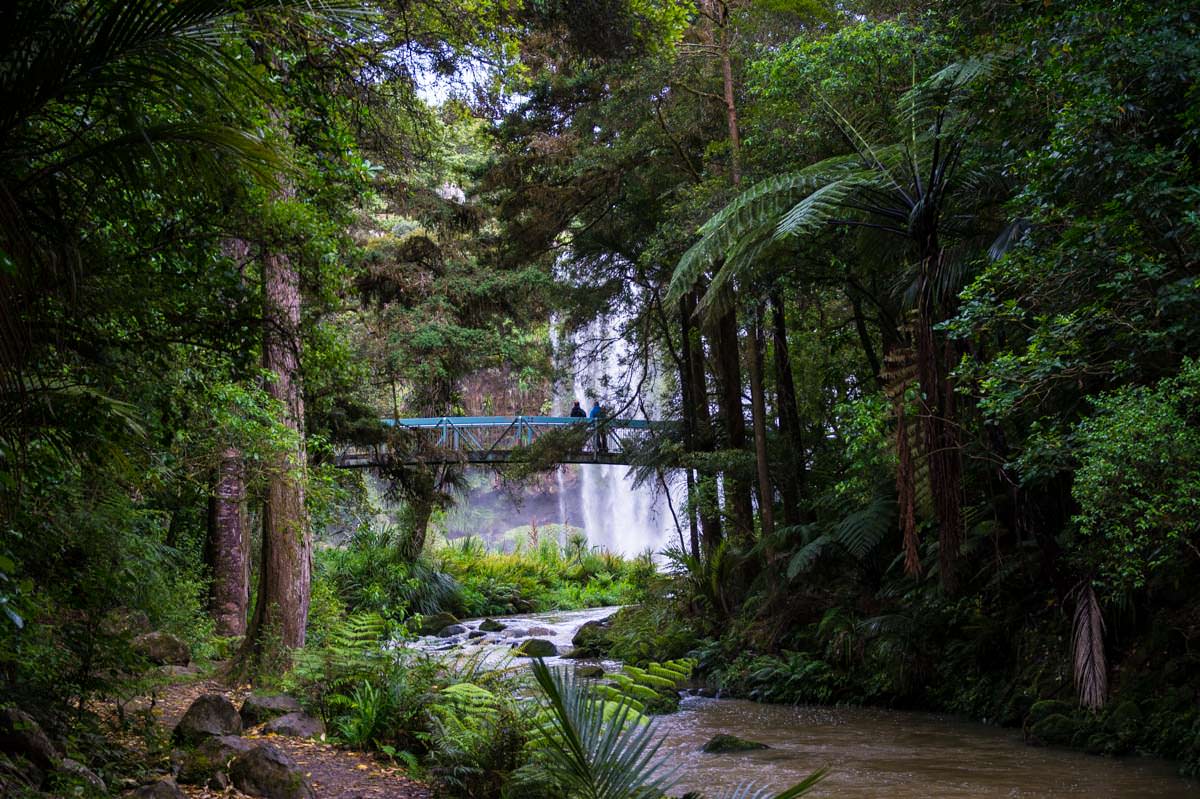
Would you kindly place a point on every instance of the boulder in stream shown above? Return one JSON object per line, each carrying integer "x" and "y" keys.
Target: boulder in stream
{"x": 536, "y": 648}
{"x": 731, "y": 743}
{"x": 491, "y": 626}
{"x": 451, "y": 630}
{"x": 540, "y": 632}
{"x": 435, "y": 623}
{"x": 592, "y": 637}
{"x": 589, "y": 672}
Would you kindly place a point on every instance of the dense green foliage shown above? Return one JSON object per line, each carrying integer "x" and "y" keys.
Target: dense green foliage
{"x": 914, "y": 287}
{"x": 370, "y": 574}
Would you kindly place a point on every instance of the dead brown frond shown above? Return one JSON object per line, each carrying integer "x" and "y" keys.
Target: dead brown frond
{"x": 1087, "y": 640}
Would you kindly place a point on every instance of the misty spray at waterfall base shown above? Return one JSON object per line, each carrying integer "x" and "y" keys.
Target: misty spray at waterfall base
{"x": 599, "y": 499}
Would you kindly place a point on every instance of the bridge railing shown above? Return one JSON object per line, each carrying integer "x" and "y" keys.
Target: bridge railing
{"x": 494, "y": 438}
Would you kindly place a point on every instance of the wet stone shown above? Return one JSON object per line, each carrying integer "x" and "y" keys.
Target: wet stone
{"x": 537, "y": 648}
{"x": 731, "y": 743}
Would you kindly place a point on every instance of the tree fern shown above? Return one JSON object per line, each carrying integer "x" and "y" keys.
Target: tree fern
{"x": 861, "y": 532}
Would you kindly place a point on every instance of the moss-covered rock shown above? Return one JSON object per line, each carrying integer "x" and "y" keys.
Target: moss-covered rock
{"x": 589, "y": 672}
{"x": 593, "y": 638}
{"x": 263, "y": 707}
{"x": 163, "y": 648}
{"x": 266, "y": 771}
{"x": 536, "y": 648}
{"x": 211, "y": 757}
{"x": 1050, "y": 707}
{"x": 731, "y": 743}
{"x": 1057, "y": 729}
{"x": 210, "y": 715}
{"x": 491, "y": 626}
{"x": 434, "y": 623}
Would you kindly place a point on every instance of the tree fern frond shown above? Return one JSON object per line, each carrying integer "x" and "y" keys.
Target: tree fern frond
{"x": 936, "y": 92}
{"x": 863, "y": 530}
{"x": 820, "y": 206}
{"x": 756, "y": 207}
{"x": 807, "y": 555}
{"x": 748, "y": 791}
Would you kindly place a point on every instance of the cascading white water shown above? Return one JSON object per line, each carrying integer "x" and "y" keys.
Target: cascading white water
{"x": 616, "y": 514}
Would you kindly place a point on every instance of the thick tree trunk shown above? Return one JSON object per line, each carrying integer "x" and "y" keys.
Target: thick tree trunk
{"x": 729, "y": 375}
{"x": 688, "y": 415}
{"x": 793, "y": 486}
{"x": 703, "y": 439}
{"x": 283, "y": 595}
{"x": 758, "y": 413}
{"x": 935, "y": 360}
{"x": 228, "y": 550}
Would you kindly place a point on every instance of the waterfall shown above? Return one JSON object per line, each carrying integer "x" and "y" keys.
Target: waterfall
{"x": 599, "y": 499}
{"x": 616, "y": 515}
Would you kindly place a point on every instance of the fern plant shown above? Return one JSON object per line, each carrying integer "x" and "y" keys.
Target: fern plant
{"x": 590, "y": 756}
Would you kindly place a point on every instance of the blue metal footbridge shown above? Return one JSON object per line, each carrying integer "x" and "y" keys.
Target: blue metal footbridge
{"x": 500, "y": 439}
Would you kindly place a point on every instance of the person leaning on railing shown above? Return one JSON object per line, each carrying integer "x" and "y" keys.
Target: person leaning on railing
{"x": 596, "y": 416}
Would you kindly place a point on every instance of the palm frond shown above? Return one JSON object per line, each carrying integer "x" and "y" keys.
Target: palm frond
{"x": 592, "y": 756}
{"x": 748, "y": 791}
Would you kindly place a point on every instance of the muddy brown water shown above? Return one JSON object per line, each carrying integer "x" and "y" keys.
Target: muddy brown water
{"x": 868, "y": 752}
{"x": 894, "y": 754}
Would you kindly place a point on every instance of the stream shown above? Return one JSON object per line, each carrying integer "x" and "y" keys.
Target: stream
{"x": 869, "y": 752}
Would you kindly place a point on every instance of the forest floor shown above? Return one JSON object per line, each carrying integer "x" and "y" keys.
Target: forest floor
{"x": 334, "y": 772}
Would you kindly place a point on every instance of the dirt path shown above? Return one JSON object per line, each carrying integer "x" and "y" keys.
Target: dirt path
{"x": 335, "y": 773}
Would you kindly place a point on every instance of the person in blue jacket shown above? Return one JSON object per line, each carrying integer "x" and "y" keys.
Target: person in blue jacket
{"x": 597, "y": 418}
